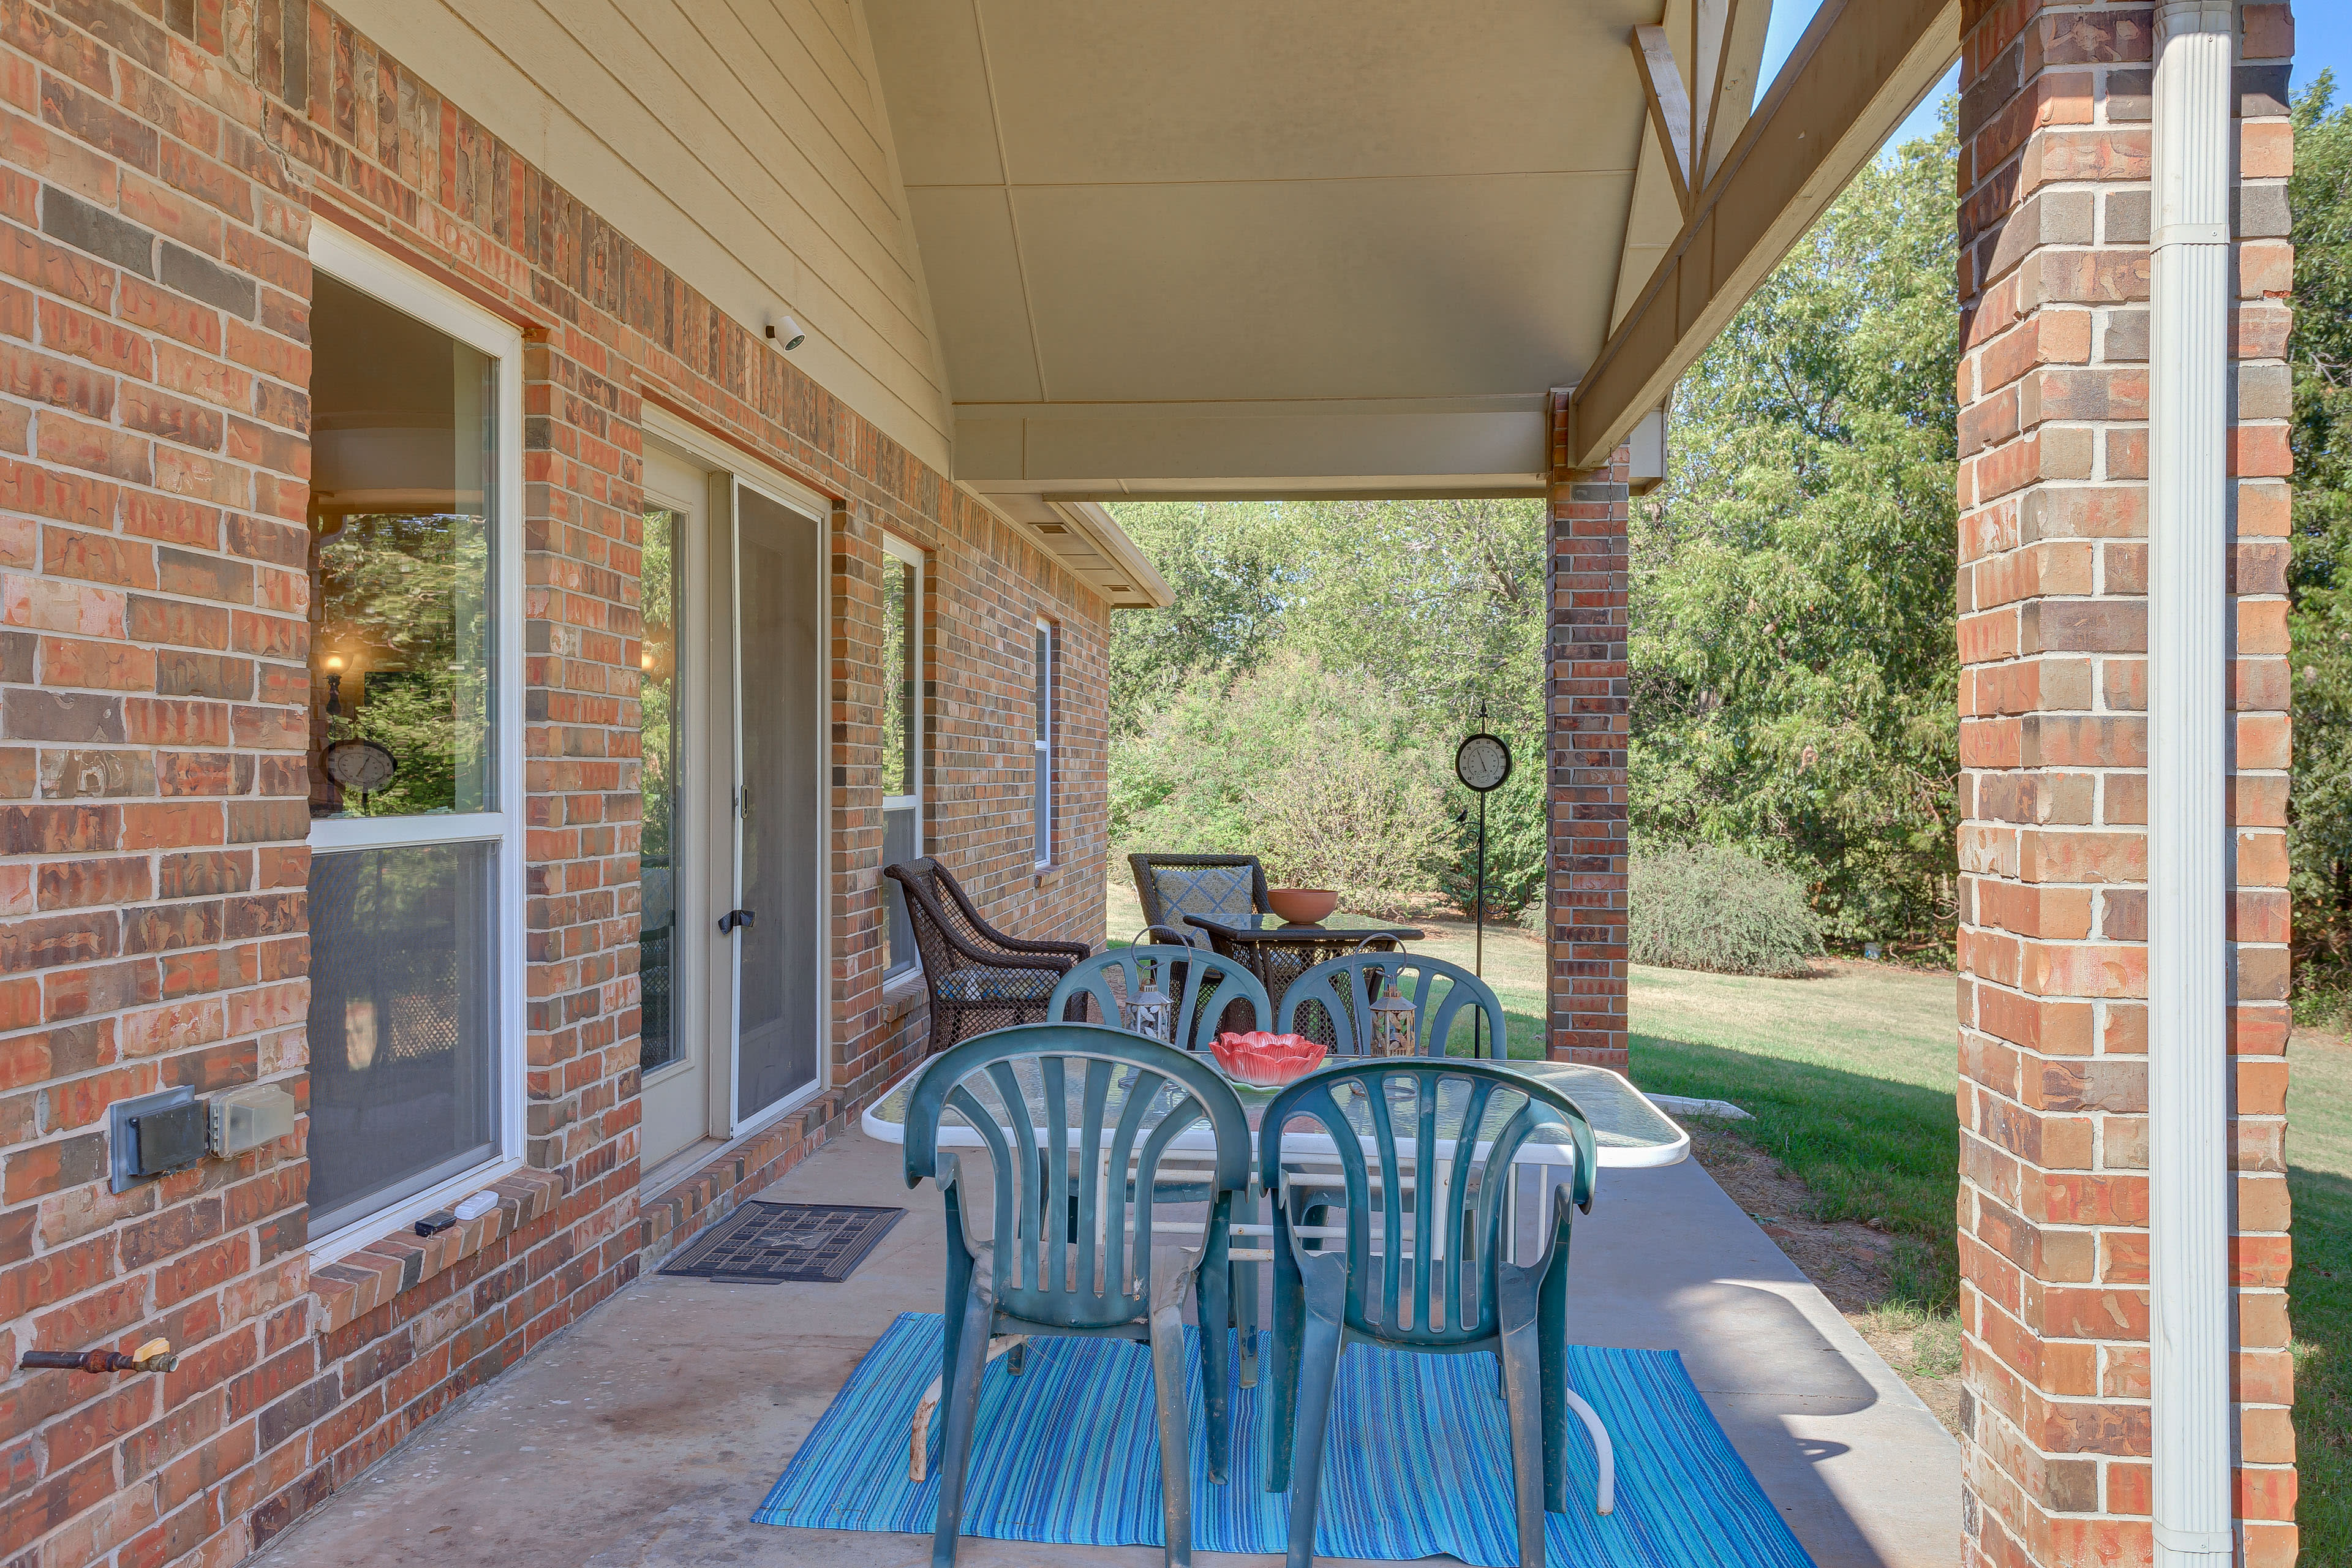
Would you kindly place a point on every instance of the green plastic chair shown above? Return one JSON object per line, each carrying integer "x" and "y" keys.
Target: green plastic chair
{"x": 1345, "y": 989}
{"x": 1389, "y": 1289}
{"x": 1201, "y": 984}
{"x": 1185, "y": 973}
{"x": 1073, "y": 1251}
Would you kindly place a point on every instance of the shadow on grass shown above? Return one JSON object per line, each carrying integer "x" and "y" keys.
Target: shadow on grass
{"x": 2319, "y": 1301}
{"x": 1868, "y": 1148}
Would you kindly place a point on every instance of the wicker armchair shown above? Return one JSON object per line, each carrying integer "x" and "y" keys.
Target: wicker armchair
{"x": 1170, "y": 887}
{"x": 980, "y": 979}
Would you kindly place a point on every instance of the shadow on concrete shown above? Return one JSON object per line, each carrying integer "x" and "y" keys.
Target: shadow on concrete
{"x": 644, "y": 1436}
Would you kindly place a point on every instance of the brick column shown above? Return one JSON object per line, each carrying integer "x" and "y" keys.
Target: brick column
{"x": 2053, "y": 171}
{"x": 1588, "y": 705}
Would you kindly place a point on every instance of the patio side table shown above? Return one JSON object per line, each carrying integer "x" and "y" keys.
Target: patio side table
{"x": 1278, "y": 953}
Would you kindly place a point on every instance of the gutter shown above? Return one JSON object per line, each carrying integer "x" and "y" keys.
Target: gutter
{"x": 2189, "y": 956}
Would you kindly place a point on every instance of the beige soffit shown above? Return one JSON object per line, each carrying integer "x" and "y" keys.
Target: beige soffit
{"x": 742, "y": 143}
{"x": 1219, "y": 247}
{"x": 1086, "y": 538}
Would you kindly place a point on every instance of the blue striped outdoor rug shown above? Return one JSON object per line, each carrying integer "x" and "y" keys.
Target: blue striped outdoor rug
{"x": 1067, "y": 1453}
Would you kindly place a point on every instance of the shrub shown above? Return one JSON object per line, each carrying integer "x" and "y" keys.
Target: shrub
{"x": 1318, "y": 776}
{"x": 1720, "y": 910}
{"x": 1356, "y": 821}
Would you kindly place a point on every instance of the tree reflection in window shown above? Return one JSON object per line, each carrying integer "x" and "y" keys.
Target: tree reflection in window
{"x": 657, "y": 693}
{"x": 404, "y": 605}
{"x": 401, "y": 604}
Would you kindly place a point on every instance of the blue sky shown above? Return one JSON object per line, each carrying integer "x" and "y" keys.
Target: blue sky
{"x": 2323, "y": 39}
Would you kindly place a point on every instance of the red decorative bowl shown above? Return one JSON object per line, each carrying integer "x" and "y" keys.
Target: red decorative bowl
{"x": 1302, "y": 906}
{"x": 1264, "y": 1060}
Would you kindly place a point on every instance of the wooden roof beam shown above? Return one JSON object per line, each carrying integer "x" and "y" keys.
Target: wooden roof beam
{"x": 1855, "y": 75}
{"x": 1711, "y": 25}
{"x": 1670, "y": 108}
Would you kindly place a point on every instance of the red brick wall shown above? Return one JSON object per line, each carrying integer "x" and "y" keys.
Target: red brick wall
{"x": 1589, "y": 708}
{"x": 2054, "y": 168}
{"x": 161, "y": 165}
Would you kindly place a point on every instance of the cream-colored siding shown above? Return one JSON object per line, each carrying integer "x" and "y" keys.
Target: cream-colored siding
{"x": 742, "y": 142}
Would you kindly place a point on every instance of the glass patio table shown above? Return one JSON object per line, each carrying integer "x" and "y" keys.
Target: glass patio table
{"x": 1628, "y": 1131}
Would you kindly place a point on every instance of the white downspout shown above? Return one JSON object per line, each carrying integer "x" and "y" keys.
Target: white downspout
{"x": 2188, "y": 757}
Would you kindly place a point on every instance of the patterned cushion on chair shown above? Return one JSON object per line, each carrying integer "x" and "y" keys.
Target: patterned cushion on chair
{"x": 1211, "y": 890}
{"x": 978, "y": 984}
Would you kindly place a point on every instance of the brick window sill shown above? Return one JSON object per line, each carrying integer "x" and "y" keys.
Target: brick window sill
{"x": 359, "y": 1282}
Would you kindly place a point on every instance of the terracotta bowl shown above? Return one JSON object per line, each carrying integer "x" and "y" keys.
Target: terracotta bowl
{"x": 1264, "y": 1060}
{"x": 1302, "y": 906}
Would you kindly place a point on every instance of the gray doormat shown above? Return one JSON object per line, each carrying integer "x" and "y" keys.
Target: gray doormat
{"x": 764, "y": 1243}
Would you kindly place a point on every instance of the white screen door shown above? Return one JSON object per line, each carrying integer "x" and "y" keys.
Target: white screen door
{"x": 779, "y": 801}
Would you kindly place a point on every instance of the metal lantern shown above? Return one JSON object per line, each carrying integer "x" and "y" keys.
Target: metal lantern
{"x": 1393, "y": 1030}
{"x": 1148, "y": 1012}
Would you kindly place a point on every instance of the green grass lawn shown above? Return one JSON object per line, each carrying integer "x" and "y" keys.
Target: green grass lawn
{"x": 1849, "y": 1079}
{"x": 2319, "y": 1293}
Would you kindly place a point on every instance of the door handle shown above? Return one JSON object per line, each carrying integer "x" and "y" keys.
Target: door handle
{"x": 733, "y": 918}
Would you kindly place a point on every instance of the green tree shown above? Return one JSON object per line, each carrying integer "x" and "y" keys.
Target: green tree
{"x": 1318, "y": 774}
{"x": 2319, "y": 624}
{"x": 404, "y": 597}
{"x": 1225, "y": 561}
{"x": 1419, "y": 611}
{"x": 1441, "y": 605}
{"x": 1795, "y": 675}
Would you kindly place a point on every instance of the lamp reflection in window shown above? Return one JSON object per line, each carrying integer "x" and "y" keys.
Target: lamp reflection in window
{"x": 358, "y": 1034}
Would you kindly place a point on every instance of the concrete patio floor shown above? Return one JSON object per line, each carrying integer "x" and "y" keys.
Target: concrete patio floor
{"x": 644, "y": 1437}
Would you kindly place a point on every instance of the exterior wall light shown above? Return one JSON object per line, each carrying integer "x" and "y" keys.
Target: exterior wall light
{"x": 785, "y": 333}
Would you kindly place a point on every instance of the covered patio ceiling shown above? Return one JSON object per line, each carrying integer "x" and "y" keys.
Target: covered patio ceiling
{"x": 1226, "y": 248}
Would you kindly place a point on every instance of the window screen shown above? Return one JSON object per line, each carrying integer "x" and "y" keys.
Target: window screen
{"x": 1042, "y": 798}
{"x": 902, "y": 745}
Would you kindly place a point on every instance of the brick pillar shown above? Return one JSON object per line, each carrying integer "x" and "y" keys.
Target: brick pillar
{"x": 1588, "y": 705}
{"x": 2053, "y": 171}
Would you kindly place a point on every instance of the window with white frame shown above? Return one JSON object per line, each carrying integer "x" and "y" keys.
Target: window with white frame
{"x": 416, "y": 886}
{"x": 902, "y": 738}
{"x": 1041, "y": 805}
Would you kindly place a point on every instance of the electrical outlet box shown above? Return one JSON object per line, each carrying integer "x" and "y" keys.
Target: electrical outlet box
{"x": 247, "y": 1117}
{"x": 151, "y": 1136}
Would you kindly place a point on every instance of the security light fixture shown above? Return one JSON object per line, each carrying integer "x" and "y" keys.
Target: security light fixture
{"x": 785, "y": 333}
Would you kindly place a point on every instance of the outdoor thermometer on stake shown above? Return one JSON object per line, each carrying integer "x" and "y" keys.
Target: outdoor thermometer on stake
{"x": 1482, "y": 763}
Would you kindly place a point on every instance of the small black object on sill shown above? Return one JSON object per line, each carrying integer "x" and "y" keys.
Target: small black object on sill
{"x": 435, "y": 1222}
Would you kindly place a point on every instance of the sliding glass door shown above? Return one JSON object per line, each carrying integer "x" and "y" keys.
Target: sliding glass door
{"x": 730, "y": 959}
